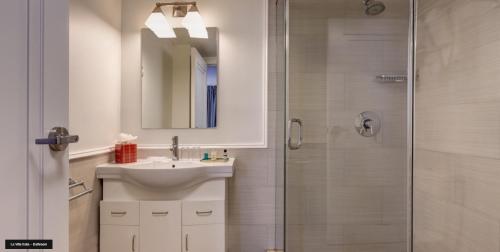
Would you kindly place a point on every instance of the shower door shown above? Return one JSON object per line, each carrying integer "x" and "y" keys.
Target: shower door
{"x": 346, "y": 142}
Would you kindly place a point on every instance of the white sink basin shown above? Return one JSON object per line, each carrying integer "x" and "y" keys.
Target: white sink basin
{"x": 163, "y": 172}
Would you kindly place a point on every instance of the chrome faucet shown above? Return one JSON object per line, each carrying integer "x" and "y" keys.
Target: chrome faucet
{"x": 175, "y": 148}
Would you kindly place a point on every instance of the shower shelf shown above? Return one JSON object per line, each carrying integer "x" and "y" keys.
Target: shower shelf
{"x": 392, "y": 78}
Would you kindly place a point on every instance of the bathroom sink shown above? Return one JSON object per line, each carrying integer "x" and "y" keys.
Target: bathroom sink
{"x": 163, "y": 172}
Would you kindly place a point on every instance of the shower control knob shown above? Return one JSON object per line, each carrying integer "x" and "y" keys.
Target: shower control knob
{"x": 367, "y": 124}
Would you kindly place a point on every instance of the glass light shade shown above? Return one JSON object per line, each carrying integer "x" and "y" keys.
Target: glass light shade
{"x": 157, "y": 22}
{"x": 195, "y": 25}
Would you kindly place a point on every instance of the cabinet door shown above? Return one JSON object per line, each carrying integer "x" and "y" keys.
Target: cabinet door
{"x": 160, "y": 227}
{"x": 115, "y": 238}
{"x": 204, "y": 238}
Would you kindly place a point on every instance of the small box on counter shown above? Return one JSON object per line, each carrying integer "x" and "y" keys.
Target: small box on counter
{"x": 125, "y": 153}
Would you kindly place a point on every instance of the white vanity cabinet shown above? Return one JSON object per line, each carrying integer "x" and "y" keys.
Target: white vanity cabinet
{"x": 162, "y": 226}
{"x": 150, "y": 206}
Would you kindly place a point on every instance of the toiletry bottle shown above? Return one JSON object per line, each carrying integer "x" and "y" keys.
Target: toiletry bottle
{"x": 213, "y": 155}
{"x": 225, "y": 156}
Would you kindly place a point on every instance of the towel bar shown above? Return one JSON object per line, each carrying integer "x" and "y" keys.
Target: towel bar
{"x": 73, "y": 183}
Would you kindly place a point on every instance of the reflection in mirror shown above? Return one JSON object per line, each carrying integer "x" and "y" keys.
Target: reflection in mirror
{"x": 179, "y": 80}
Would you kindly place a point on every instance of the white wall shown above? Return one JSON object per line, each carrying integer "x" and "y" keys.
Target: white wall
{"x": 242, "y": 88}
{"x": 95, "y": 72}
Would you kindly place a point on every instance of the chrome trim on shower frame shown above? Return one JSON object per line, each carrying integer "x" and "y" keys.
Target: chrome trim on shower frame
{"x": 410, "y": 109}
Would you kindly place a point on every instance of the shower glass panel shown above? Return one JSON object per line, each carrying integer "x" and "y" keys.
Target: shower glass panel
{"x": 345, "y": 167}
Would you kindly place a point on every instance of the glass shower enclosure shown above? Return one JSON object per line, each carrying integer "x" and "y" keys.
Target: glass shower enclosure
{"x": 341, "y": 67}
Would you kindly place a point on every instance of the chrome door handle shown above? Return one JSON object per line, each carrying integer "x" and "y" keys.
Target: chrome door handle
{"x": 58, "y": 139}
{"x": 291, "y": 145}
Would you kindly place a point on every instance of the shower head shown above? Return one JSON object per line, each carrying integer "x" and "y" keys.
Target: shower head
{"x": 374, "y": 7}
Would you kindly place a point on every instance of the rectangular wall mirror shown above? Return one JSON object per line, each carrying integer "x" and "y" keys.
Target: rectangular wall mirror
{"x": 179, "y": 80}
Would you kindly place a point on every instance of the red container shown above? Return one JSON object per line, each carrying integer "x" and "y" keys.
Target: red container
{"x": 125, "y": 153}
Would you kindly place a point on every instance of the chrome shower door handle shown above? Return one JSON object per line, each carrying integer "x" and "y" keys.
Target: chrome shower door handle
{"x": 291, "y": 145}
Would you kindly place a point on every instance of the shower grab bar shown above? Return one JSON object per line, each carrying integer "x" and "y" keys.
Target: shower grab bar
{"x": 73, "y": 183}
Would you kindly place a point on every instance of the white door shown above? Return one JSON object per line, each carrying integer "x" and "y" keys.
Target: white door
{"x": 33, "y": 99}
{"x": 198, "y": 90}
{"x": 13, "y": 107}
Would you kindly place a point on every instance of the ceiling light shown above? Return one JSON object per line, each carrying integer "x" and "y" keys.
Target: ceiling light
{"x": 157, "y": 22}
{"x": 194, "y": 23}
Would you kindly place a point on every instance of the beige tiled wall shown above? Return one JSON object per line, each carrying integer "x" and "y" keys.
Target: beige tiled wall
{"x": 457, "y": 121}
{"x": 346, "y": 192}
{"x": 84, "y": 211}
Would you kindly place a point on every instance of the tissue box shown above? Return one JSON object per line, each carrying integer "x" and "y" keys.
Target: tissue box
{"x": 125, "y": 153}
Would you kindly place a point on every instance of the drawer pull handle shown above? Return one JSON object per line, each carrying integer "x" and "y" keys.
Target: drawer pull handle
{"x": 160, "y": 213}
{"x": 187, "y": 242}
{"x": 133, "y": 243}
{"x": 204, "y": 213}
{"x": 118, "y": 212}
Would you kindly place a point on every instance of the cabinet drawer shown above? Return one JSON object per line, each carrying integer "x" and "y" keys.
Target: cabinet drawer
{"x": 160, "y": 227}
{"x": 119, "y": 213}
{"x": 203, "y": 212}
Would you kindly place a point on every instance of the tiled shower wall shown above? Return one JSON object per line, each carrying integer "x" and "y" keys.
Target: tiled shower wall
{"x": 346, "y": 192}
{"x": 457, "y": 122}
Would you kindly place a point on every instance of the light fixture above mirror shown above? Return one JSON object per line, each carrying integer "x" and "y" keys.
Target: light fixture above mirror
{"x": 193, "y": 22}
